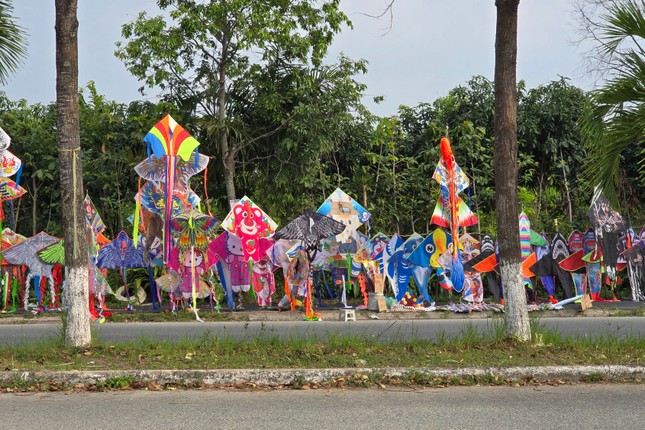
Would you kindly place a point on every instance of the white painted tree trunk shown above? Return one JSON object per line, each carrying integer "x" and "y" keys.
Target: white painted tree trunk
{"x": 516, "y": 312}
{"x": 77, "y": 331}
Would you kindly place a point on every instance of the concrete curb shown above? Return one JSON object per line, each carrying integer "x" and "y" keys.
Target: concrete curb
{"x": 282, "y": 377}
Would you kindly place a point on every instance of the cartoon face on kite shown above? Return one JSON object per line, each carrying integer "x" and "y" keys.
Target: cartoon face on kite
{"x": 344, "y": 209}
{"x": 197, "y": 261}
{"x": 378, "y": 244}
{"x": 234, "y": 246}
{"x": 9, "y": 163}
{"x": 428, "y": 251}
{"x": 248, "y": 221}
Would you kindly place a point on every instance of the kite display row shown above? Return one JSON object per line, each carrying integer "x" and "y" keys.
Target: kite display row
{"x": 188, "y": 256}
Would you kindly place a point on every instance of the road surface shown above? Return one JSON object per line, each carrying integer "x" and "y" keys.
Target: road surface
{"x": 568, "y": 407}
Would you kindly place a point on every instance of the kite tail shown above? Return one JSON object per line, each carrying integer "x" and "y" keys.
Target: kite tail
{"x": 137, "y": 218}
{"x": 457, "y": 274}
{"x": 251, "y": 290}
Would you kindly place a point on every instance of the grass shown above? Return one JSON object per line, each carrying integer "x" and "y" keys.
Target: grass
{"x": 471, "y": 349}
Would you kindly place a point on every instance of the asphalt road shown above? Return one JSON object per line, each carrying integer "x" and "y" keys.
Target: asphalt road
{"x": 619, "y": 327}
{"x": 568, "y": 407}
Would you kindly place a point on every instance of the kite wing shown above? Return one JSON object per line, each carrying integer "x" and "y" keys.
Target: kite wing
{"x": 167, "y": 137}
{"x": 53, "y": 254}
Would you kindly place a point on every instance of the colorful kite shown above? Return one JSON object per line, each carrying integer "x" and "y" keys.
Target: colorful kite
{"x": 249, "y": 223}
{"x": 348, "y": 212}
{"x": 608, "y": 225}
{"x": 9, "y": 166}
{"x": 26, "y": 253}
{"x": 192, "y": 230}
{"x": 121, "y": 254}
{"x": 167, "y": 141}
{"x": 309, "y": 228}
{"x": 451, "y": 212}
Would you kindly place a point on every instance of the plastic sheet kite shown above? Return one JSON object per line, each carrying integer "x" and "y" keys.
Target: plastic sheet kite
{"x": 26, "y": 253}
{"x": 310, "y": 228}
{"x": 451, "y": 212}
{"x": 121, "y": 254}
{"x": 192, "y": 230}
{"x": 344, "y": 209}
{"x": 249, "y": 223}
{"x": 9, "y": 166}
{"x": 168, "y": 141}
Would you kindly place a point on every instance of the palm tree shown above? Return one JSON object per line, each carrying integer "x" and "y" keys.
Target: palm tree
{"x": 13, "y": 42}
{"x": 615, "y": 117}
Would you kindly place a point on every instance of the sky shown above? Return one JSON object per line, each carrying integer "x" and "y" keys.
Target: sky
{"x": 427, "y": 48}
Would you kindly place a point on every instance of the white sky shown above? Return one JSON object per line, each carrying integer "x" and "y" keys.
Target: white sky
{"x": 432, "y": 47}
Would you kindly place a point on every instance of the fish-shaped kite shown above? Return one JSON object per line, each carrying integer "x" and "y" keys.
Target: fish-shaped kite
{"x": 451, "y": 212}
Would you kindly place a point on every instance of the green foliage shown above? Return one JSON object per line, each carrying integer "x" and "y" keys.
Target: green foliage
{"x": 613, "y": 124}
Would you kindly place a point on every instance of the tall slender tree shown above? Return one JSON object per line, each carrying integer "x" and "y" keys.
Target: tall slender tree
{"x": 77, "y": 331}
{"x": 506, "y": 148}
{"x": 13, "y": 42}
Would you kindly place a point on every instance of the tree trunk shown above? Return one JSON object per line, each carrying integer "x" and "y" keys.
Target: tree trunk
{"x": 228, "y": 153}
{"x": 77, "y": 330}
{"x": 506, "y": 170}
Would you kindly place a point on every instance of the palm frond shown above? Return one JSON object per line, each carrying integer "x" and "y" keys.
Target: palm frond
{"x": 13, "y": 42}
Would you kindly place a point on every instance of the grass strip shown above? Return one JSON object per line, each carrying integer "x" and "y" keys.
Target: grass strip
{"x": 471, "y": 349}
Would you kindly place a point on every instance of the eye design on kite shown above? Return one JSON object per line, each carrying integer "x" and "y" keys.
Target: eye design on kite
{"x": 430, "y": 248}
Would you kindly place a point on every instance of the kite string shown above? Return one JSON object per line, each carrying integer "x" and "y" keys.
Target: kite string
{"x": 75, "y": 156}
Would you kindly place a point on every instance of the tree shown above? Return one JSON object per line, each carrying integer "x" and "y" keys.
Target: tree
{"x": 506, "y": 150}
{"x": 614, "y": 122}
{"x": 77, "y": 331}
{"x": 549, "y": 136}
{"x": 206, "y": 51}
{"x": 12, "y": 42}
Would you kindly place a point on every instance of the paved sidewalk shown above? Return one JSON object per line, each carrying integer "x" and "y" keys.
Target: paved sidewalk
{"x": 253, "y": 313}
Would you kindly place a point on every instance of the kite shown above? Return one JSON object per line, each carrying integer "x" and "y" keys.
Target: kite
{"x": 310, "y": 228}
{"x": 473, "y": 286}
{"x": 420, "y": 274}
{"x": 249, "y": 223}
{"x": 344, "y": 209}
{"x": 26, "y": 252}
{"x": 525, "y": 242}
{"x": 121, "y": 254}
{"x": 608, "y": 225}
{"x": 634, "y": 254}
{"x": 547, "y": 266}
{"x": 451, "y": 212}
{"x": 97, "y": 284}
{"x": 9, "y": 239}
{"x": 9, "y": 166}
{"x": 592, "y": 257}
{"x": 168, "y": 140}
{"x": 192, "y": 230}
